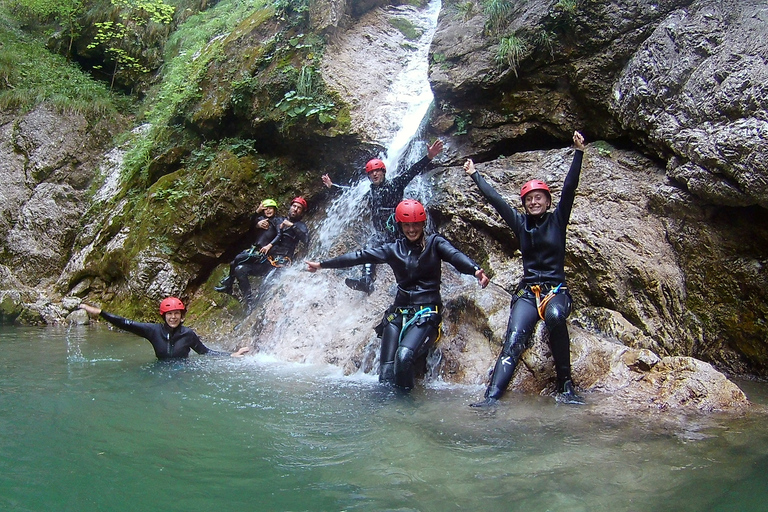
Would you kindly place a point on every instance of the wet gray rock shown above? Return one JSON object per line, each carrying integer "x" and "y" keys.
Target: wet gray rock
{"x": 697, "y": 89}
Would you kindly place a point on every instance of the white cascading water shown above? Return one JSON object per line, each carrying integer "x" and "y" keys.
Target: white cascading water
{"x": 315, "y": 318}
{"x": 409, "y": 98}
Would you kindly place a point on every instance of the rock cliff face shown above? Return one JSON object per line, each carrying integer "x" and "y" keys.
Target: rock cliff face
{"x": 681, "y": 82}
{"x": 667, "y": 243}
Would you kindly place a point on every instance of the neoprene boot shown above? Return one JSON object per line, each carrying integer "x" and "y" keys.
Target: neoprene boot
{"x": 566, "y": 394}
{"x": 387, "y": 373}
{"x": 365, "y": 282}
{"x": 225, "y": 286}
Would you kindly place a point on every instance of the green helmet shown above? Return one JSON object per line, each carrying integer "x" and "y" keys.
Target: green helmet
{"x": 269, "y": 202}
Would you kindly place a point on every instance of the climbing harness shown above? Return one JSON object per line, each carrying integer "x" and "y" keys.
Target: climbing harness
{"x": 418, "y": 314}
{"x": 541, "y": 303}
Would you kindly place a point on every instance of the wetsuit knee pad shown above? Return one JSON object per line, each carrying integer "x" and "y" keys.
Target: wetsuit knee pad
{"x": 516, "y": 343}
{"x": 404, "y": 357}
{"x": 556, "y": 314}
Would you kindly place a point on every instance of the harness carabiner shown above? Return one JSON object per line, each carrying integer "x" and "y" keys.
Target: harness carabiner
{"x": 280, "y": 261}
{"x": 541, "y": 304}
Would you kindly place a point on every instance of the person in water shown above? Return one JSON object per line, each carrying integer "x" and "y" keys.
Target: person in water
{"x": 411, "y": 325}
{"x": 278, "y": 252}
{"x": 542, "y": 293}
{"x": 170, "y": 339}
{"x": 382, "y": 199}
{"x": 265, "y": 227}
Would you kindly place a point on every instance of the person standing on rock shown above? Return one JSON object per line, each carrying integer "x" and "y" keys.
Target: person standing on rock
{"x": 382, "y": 199}
{"x": 411, "y": 325}
{"x": 171, "y": 340}
{"x": 278, "y": 252}
{"x": 265, "y": 223}
{"x": 542, "y": 293}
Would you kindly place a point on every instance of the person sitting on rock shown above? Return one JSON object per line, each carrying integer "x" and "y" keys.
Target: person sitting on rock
{"x": 382, "y": 199}
{"x": 542, "y": 293}
{"x": 277, "y": 253}
{"x": 265, "y": 227}
{"x": 171, "y": 340}
{"x": 411, "y": 326}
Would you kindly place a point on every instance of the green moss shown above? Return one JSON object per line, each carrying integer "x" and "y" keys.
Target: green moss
{"x": 406, "y": 27}
{"x": 9, "y": 310}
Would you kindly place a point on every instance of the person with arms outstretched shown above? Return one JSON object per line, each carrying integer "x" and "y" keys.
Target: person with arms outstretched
{"x": 411, "y": 325}
{"x": 382, "y": 199}
{"x": 170, "y": 339}
{"x": 542, "y": 293}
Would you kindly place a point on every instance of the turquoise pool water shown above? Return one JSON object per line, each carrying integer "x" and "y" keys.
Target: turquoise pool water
{"x": 90, "y": 421}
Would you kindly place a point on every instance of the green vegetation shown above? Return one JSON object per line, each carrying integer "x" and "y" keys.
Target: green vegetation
{"x": 31, "y": 75}
{"x": 511, "y": 51}
{"x": 498, "y": 12}
{"x": 546, "y": 40}
{"x": 304, "y": 100}
{"x": 566, "y": 6}
{"x": 189, "y": 52}
{"x": 466, "y": 9}
{"x": 604, "y": 149}
{"x": 462, "y": 122}
{"x": 64, "y": 13}
{"x": 113, "y": 35}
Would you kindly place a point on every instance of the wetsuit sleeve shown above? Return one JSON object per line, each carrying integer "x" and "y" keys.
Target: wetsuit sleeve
{"x": 455, "y": 257}
{"x": 510, "y": 216}
{"x": 198, "y": 347}
{"x": 569, "y": 188}
{"x": 404, "y": 179}
{"x": 138, "y": 328}
{"x": 351, "y": 259}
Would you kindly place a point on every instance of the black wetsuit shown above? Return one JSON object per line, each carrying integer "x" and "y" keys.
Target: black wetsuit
{"x": 542, "y": 244}
{"x": 281, "y": 254}
{"x": 263, "y": 237}
{"x": 168, "y": 343}
{"x": 418, "y": 274}
{"x": 384, "y": 198}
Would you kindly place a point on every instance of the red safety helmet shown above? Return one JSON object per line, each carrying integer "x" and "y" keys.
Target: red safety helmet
{"x": 410, "y": 210}
{"x": 171, "y": 304}
{"x": 534, "y": 185}
{"x": 301, "y": 201}
{"x": 375, "y": 164}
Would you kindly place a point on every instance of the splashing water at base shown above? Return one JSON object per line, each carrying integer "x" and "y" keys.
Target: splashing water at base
{"x": 130, "y": 433}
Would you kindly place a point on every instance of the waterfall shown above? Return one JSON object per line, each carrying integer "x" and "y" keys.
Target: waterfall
{"x": 315, "y": 318}
{"x": 408, "y": 101}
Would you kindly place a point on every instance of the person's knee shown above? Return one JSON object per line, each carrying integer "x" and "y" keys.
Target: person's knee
{"x": 556, "y": 315}
{"x": 404, "y": 357}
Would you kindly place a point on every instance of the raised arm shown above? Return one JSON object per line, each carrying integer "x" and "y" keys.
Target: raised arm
{"x": 571, "y": 181}
{"x": 510, "y": 216}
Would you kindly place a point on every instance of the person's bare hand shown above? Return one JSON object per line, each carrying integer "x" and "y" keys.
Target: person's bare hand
{"x": 434, "y": 149}
{"x": 469, "y": 167}
{"x": 578, "y": 141}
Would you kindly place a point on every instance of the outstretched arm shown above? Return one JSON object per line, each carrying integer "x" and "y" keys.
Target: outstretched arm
{"x": 91, "y": 310}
